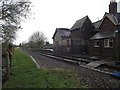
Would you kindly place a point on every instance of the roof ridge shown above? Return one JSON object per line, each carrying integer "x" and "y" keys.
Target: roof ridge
{"x": 83, "y": 18}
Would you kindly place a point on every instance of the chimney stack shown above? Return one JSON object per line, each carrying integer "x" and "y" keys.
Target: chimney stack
{"x": 113, "y": 7}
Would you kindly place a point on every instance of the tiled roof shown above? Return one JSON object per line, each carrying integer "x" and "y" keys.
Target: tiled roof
{"x": 63, "y": 32}
{"x": 112, "y": 18}
{"x": 104, "y": 34}
{"x": 96, "y": 24}
{"x": 115, "y": 18}
{"x": 118, "y": 17}
{"x": 79, "y": 23}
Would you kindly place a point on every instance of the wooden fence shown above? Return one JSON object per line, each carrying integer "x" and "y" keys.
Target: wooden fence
{"x": 6, "y": 63}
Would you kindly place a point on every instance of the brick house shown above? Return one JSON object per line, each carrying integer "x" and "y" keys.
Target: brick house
{"x": 61, "y": 40}
{"x": 106, "y": 42}
{"x": 81, "y": 32}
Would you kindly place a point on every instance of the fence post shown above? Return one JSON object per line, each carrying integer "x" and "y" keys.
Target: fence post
{"x": 6, "y": 63}
{"x": 7, "y": 66}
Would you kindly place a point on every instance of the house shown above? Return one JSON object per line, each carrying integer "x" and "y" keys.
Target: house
{"x": 48, "y": 46}
{"x": 81, "y": 32}
{"x": 61, "y": 40}
{"x": 106, "y": 42}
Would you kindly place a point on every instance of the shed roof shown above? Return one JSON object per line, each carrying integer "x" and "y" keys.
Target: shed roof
{"x": 63, "y": 32}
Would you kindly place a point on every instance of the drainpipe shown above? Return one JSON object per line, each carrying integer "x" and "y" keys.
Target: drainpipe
{"x": 100, "y": 49}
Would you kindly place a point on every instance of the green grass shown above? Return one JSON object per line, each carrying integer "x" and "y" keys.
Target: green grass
{"x": 25, "y": 74}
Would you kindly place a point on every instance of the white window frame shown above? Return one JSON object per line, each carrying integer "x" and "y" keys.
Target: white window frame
{"x": 112, "y": 42}
{"x": 96, "y": 43}
{"x": 107, "y": 43}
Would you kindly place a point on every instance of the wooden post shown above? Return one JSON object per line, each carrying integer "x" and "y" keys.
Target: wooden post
{"x": 6, "y": 64}
{"x": 7, "y": 60}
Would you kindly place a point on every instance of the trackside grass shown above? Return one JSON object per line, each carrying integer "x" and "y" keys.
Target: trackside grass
{"x": 25, "y": 74}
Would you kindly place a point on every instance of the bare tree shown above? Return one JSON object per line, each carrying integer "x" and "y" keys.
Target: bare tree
{"x": 37, "y": 40}
{"x": 12, "y": 12}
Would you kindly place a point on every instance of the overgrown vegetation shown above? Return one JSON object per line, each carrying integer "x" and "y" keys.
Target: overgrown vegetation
{"x": 25, "y": 74}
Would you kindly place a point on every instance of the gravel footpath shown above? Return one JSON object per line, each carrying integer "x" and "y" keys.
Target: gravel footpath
{"x": 94, "y": 79}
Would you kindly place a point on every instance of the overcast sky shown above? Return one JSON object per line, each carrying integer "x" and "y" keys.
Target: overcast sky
{"x": 52, "y": 14}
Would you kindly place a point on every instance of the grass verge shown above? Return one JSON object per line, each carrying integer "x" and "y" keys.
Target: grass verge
{"x": 25, "y": 74}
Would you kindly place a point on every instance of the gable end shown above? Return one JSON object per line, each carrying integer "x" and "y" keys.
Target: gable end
{"x": 104, "y": 20}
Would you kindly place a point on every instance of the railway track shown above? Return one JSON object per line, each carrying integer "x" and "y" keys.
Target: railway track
{"x": 82, "y": 62}
{"x": 94, "y": 78}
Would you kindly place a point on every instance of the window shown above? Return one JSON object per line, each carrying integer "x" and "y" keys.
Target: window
{"x": 96, "y": 43}
{"x": 108, "y": 42}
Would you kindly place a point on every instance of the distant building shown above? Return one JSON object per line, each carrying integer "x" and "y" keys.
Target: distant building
{"x": 61, "y": 40}
{"x": 47, "y": 46}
